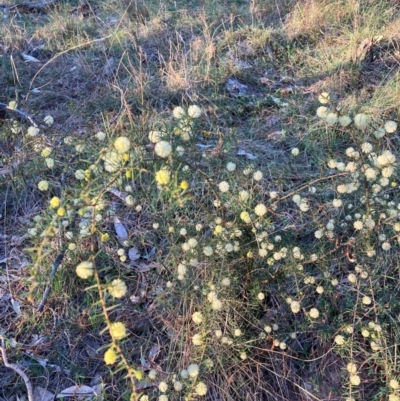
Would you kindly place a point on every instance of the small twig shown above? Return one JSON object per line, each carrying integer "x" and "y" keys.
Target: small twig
{"x": 16, "y": 369}
{"x": 47, "y": 291}
{"x": 21, "y": 113}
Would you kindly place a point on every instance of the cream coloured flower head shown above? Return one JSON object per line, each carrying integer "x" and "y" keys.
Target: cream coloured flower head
{"x": 295, "y": 152}
{"x": 43, "y": 185}
{"x": 178, "y": 112}
{"x": 46, "y": 151}
{"x": 245, "y": 217}
{"x": 355, "y": 380}
{"x": 324, "y": 98}
{"x": 208, "y": 251}
{"x": 231, "y": 166}
{"x": 163, "y": 387}
{"x": 260, "y": 210}
{"x": 351, "y": 368}
{"x": 33, "y": 131}
{"x": 194, "y": 111}
{"x": 322, "y": 112}
{"x": 117, "y": 288}
{"x": 223, "y": 186}
{"x": 84, "y": 269}
{"x": 314, "y": 313}
{"x": 163, "y": 149}
{"x": 49, "y": 120}
{"x": 339, "y": 340}
{"x": 361, "y": 120}
{"x": 118, "y": 330}
{"x": 344, "y": 121}
{"x": 100, "y": 136}
{"x": 295, "y": 306}
{"x": 193, "y": 370}
{"x": 197, "y": 317}
{"x": 200, "y": 389}
{"x": 390, "y": 127}
{"x": 79, "y": 174}
{"x": 155, "y": 136}
{"x": 122, "y": 144}
{"x": 112, "y": 161}
{"x": 331, "y": 118}
{"x": 257, "y": 175}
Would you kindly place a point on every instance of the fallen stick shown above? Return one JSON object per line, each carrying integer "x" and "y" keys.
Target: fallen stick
{"x": 16, "y": 369}
{"x": 4, "y": 107}
{"x": 28, "y": 7}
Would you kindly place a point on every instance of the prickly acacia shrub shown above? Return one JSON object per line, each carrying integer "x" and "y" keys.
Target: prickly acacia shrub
{"x": 249, "y": 266}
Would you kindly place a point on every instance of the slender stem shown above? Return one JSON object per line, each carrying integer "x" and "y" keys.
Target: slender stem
{"x": 16, "y": 369}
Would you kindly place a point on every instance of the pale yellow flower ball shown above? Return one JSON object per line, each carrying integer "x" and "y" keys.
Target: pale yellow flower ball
{"x": 155, "y": 136}
{"x": 197, "y": 317}
{"x": 122, "y": 145}
{"x": 46, "y": 151}
{"x": 223, "y": 186}
{"x": 366, "y": 300}
{"x": 49, "y": 162}
{"x": 331, "y": 118}
{"x": 118, "y": 330}
{"x": 117, "y": 288}
{"x": 295, "y": 152}
{"x": 324, "y": 98}
{"x": 216, "y": 304}
{"x": 112, "y": 161}
{"x": 339, "y": 340}
{"x": 390, "y": 127}
{"x": 193, "y": 370}
{"x": 163, "y": 149}
{"x": 394, "y": 384}
{"x": 257, "y": 175}
{"x": 163, "y": 177}
{"x": 33, "y": 131}
{"x": 84, "y": 269}
{"x": 100, "y": 136}
{"x": 260, "y": 296}
{"x": 178, "y": 112}
{"x": 295, "y": 306}
{"x": 163, "y": 387}
{"x": 194, "y": 111}
{"x": 245, "y": 217}
{"x": 355, "y": 380}
{"x": 361, "y": 120}
{"x": 43, "y": 185}
{"x": 351, "y": 368}
{"x": 260, "y": 210}
{"x": 49, "y": 120}
{"x": 314, "y": 313}
{"x": 79, "y": 174}
{"x": 178, "y": 386}
{"x": 322, "y": 112}
{"x": 237, "y": 333}
{"x": 55, "y": 202}
{"x": 110, "y": 356}
{"x": 208, "y": 251}
{"x": 200, "y": 389}
{"x": 344, "y": 121}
